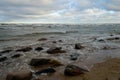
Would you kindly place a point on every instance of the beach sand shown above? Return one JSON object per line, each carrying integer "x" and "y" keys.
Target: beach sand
{"x": 108, "y": 70}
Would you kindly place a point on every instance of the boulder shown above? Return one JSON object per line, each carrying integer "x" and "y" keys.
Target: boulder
{"x": 16, "y": 56}
{"x": 26, "y": 49}
{"x": 55, "y": 50}
{"x": 73, "y": 70}
{"x": 3, "y": 58}
{"x": 47, "y": 71}
{"x": 38, "y": 48}
{"x": 79, "y": 46}
{"x": 20, "y": 75}
{"x": 44, "y": 61}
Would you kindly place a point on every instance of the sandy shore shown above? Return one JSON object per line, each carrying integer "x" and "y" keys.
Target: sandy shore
{"x": 108, "y": 70}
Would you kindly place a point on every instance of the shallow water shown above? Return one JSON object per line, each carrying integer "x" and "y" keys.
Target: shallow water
{"x": 19, "y": 33}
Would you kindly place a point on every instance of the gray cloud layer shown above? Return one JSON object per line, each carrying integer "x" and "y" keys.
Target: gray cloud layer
{"x": 59, "y": 10}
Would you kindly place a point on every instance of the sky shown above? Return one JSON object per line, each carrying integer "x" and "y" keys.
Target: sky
{"x": 60, "y": 11}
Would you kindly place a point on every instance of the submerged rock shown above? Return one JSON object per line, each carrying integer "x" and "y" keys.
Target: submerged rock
{"x": 60, "y": 41}
{"x": 44, "y": 61}
{"x": 16, "y": 56}
{"x": 54, "y": 42}
{"x": 55, "y": 50}
{"x": 101, "y": 40}
{"x": 20, "y": 75}
{"x": 6, "y": 51}
{"x": 114, "y": 38}
{"x": 24, "y": 49}
{"x": 38, "y": 62}
{"x": 39, "y": 49}
{"x": 72, "y": 70}
{"x": 79, "y": 46}
{"x": 3, "y": 58}
{"x": 74, "y": 56}
{"x": 42, "y": 39}
{"x": 47, "y": 70}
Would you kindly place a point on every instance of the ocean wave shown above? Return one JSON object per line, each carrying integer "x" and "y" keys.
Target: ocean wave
{"x": 49, "y": 32}
{"x": 9, "y": 39}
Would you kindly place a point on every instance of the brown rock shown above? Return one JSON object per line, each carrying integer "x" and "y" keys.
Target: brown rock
{"x": 79, "y": 46}
{"x": 38, "y": 48}
{"x": 16, "y": 56}
{"x": 44, "y": 61}
{"x": 42, "y": 39}
{"x": 20, "y": 75}
{"x": 72, "y": 70}
{"x": 6, "y": 51}
{"x": 55, "y": 50}
{"x": 26, "y": 49}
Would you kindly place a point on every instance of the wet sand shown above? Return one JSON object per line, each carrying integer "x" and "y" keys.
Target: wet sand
{"x": 108, "y": 70}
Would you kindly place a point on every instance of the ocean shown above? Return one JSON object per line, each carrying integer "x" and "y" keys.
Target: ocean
{"x": 23, "y": 34}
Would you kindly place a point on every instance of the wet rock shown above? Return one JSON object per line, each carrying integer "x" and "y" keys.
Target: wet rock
{"x": 39, "y": 49}
{"x": 74, "y": 56}
{"x": 54, "y": 42}
{"x": 101, "y": 40}
{"x": 6, "y": 51}
{"x": 42, "y": 39}
{"x": 72, "y": 70}
{"x": 16, "y": 56}
{"x": 44, "y": 61}
{"x": 55, "y": 50}
{"x": 24, "y": 49}
{"x": 114, "y": 38}
{"x": 47, "y": 70}
{"x": 3, "y": 58}
{"x": 79, "y": 46}
{"x": 60, "y": 41}
{"x": 118, "y": 78}
{"x": 111, "y": 35}
{"x": 20, "y": 75}
{"x": 38, "y": 62}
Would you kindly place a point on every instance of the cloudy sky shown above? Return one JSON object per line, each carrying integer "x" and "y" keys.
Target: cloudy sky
{"x": 60, "y": 11}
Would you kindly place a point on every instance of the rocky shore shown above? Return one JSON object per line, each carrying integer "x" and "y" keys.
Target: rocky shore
{"x": 53, "y": 59}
